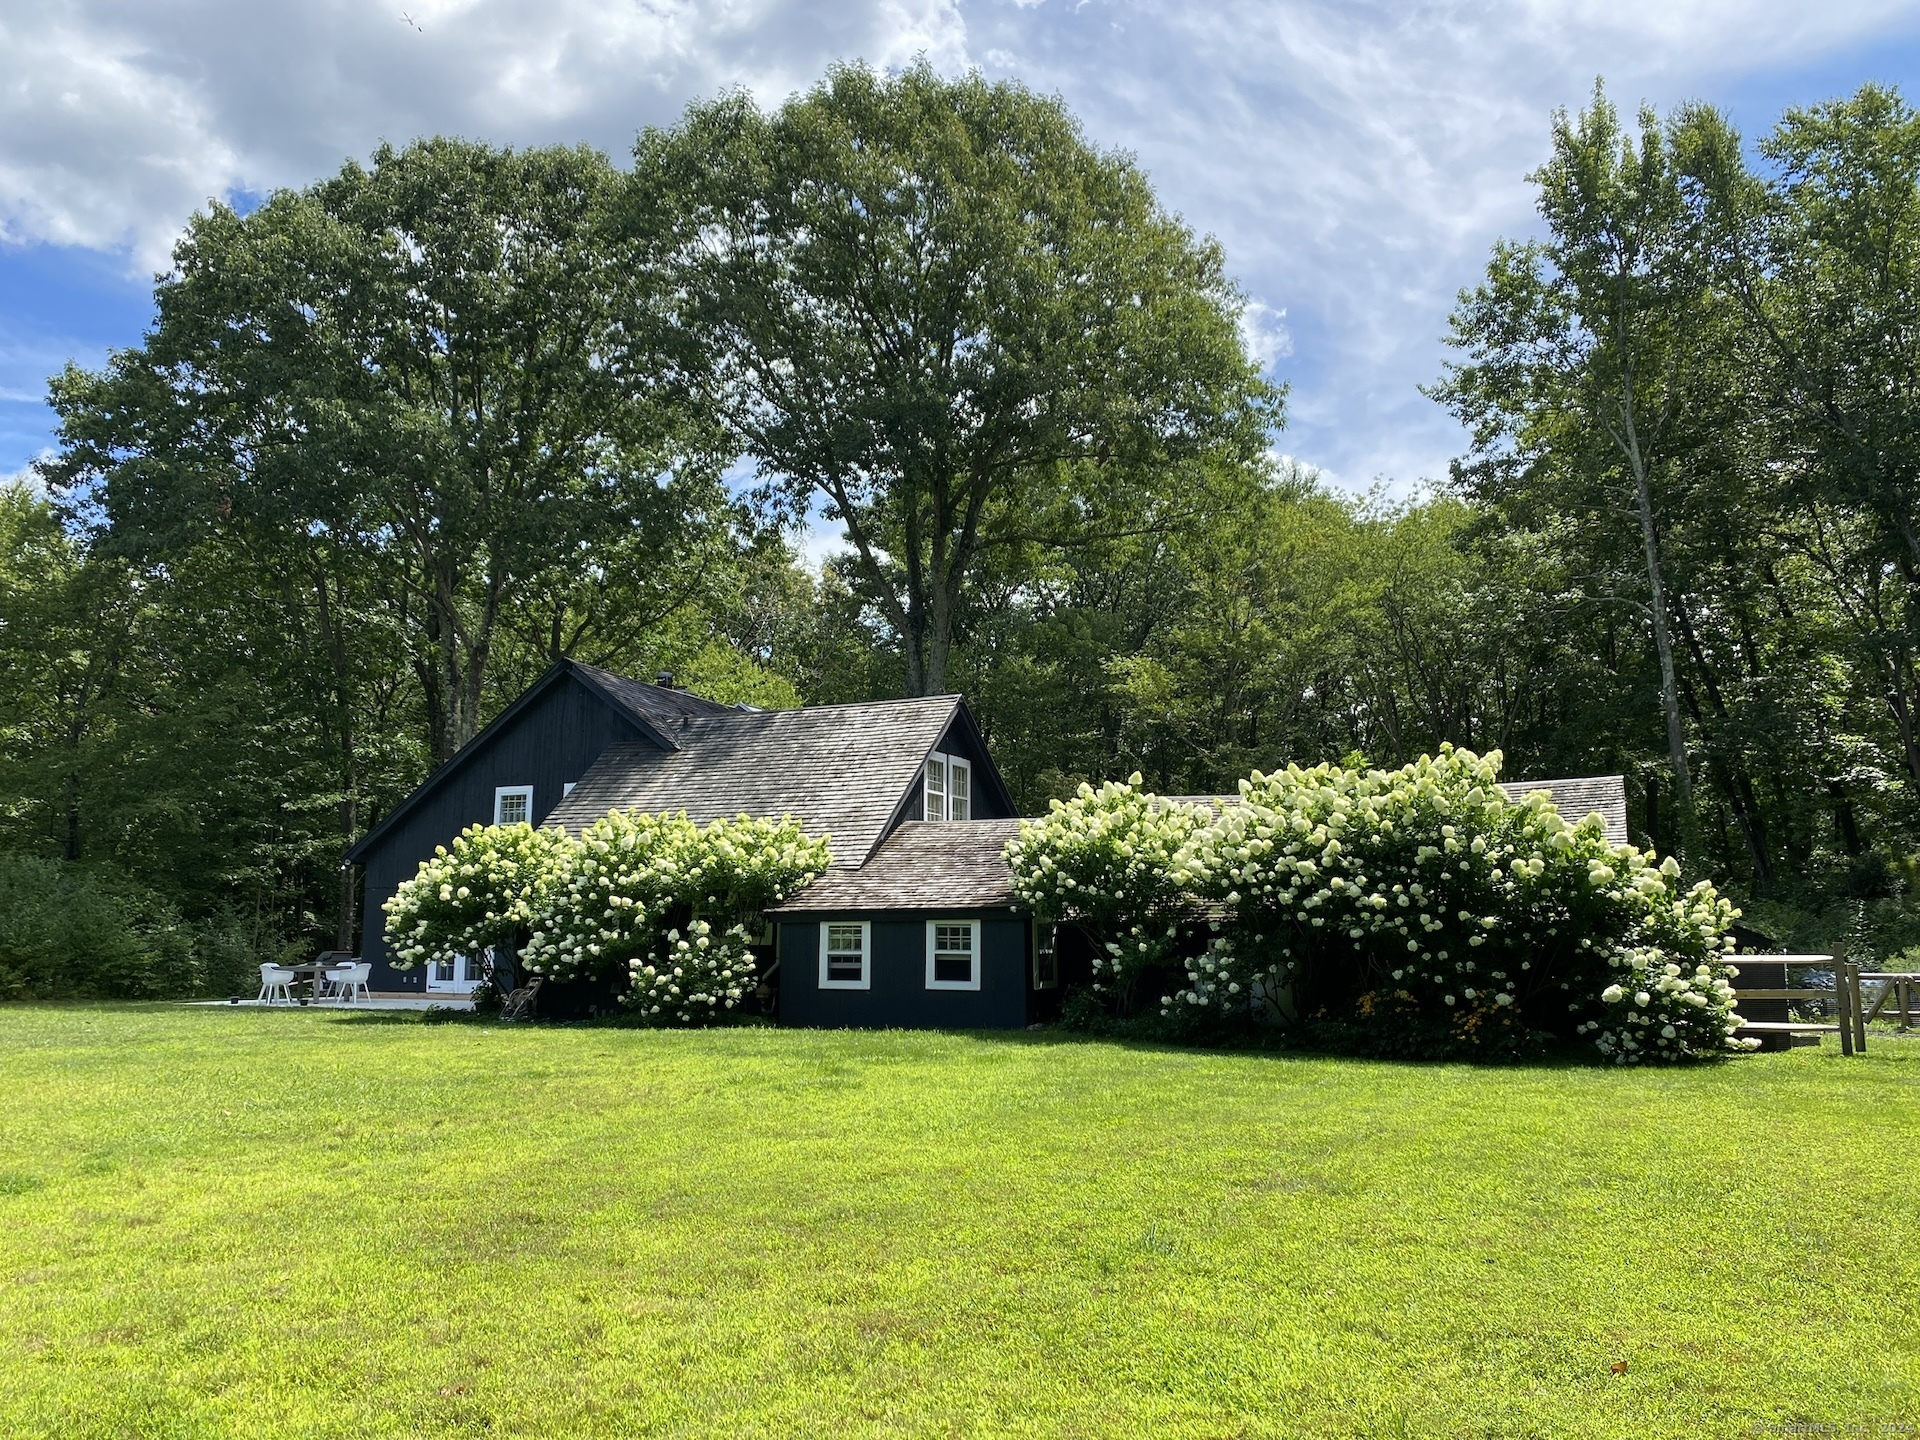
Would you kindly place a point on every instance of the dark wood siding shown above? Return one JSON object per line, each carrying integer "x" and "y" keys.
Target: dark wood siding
{"x": 548, "y": 745}
{"x": 985, "y": 800}
{"x": 899, "y": 997}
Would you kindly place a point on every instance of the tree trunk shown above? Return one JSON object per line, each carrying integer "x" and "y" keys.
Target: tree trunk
{"x": 1662, "y": 637}
{"x": 349, "y": 828}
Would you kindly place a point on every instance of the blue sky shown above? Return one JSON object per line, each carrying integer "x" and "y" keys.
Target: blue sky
{"x": 1357, "y": 160}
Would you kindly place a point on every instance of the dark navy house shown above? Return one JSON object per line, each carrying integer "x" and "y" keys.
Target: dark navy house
{"x": 913, "y": 925}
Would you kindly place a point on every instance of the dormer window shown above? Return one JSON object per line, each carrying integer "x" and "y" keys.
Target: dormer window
{"x": 948, "y": 788}
{"x": 513, "y": 805}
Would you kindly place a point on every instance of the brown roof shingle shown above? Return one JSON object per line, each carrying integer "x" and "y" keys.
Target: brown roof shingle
{"x": 1576, "y": 799}
{"x": 841, "y": 769}
{"x": 924, "y": 865}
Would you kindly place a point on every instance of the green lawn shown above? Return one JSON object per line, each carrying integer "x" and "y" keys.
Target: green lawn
{"x": 218, "y": 1222}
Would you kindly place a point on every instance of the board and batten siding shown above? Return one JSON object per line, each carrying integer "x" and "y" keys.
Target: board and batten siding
{"x": 548, "y": 745}
{"x": 899, "y": 997}
{"x": 986, "y": 799}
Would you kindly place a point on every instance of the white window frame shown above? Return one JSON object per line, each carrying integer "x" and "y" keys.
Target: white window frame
{"x": 865, "y": 982}
{"x": 928, "y": 810}
{"x": 1050, "y": 947}
{"x": 932, "y": 932}
{"x": 502, "y": 792}
{"x": 955, "y": 763}
{"x": 948, "y": 766}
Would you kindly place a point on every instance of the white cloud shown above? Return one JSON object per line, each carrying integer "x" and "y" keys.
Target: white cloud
{"x": 118, "y": 118}
{"x": 28, "y": 475}
{"x": 1263, "y": 330}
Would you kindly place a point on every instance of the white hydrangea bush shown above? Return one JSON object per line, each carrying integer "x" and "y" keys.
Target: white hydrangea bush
{"x": 1370, "y": 892}
{"x": 625, "y": 872}
{"x": 1107, "y": 860}
{"x": 493, "y": 884}
{"x": 693, "y": 975}
{"x": 1417, "y": 899}
{"x": 642, "y": 896}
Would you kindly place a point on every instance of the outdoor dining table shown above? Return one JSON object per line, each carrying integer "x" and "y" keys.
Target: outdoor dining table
{"x": 311, "y": 972}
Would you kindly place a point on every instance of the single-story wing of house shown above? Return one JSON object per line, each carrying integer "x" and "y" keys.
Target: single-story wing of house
{"x": 914, "y": 923}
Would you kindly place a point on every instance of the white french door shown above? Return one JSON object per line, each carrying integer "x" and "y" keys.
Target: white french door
{"x": 457, "y": 976}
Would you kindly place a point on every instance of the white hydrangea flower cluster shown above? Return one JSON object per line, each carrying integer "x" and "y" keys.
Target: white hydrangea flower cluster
{"x": 1106, "y": 859}
{"x": 639, "y": 895}
{"x": 636, "y": 895}
{"x": 1660, "y": 1010}
{"x": 495, "y": 882}
{"x": 1328, "y": 888}
{"x": 695, "y": 974}
{"x": 623, "y": 874}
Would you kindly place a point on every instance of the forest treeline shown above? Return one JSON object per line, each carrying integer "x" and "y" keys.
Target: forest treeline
{"x": 395, "y": 442}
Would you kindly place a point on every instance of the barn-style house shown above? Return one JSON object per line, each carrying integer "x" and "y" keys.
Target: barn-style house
{"x": 913, "y": 925}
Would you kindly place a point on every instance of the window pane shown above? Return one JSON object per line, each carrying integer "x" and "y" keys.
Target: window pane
{"x": 935, "y": 789}
{"x": 953, "y": 969}
{"x": 958, "y": 798}
{"x": 511, "y": 809}
{"x": 953, "y": 954}
{"x": 843, "y": 940}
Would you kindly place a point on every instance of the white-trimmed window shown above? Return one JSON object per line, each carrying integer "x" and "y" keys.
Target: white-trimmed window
{"x": 846, "y": 955}
{"x": 959, "y": 789}
{"x": 953, "y": 955}
{"x": 513, "y": 805}
{"x": 1046, "y": 957}
{"x": 948, "y": 788}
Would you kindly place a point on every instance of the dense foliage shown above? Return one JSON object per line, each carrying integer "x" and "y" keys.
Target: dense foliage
{"x": 274, "y": 573}
{"x": 661, "y": 908}
{"x": 1417, "y": 907}
{"x": 67, "y": 934}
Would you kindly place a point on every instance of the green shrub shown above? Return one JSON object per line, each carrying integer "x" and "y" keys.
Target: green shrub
{"x": 67, "y": 934}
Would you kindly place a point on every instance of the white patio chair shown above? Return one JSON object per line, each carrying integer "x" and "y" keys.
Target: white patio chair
{"x": 274, "y": 980}
{"x": 350, "y": 981}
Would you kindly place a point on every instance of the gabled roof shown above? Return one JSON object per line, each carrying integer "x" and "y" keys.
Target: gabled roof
{"x": 1577, "y": 799}
{"x": 655, "y": 710}
{"x": 948, "y": 865}
{"x": 655, "y": 707}
{"x": 846, "y": 770}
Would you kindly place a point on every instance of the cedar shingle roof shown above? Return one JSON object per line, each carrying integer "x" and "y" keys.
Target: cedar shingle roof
{"x": 841, "y": 769}
{"x": 924, "y": 865}
{"x": 663, "y": 709}
{"x": 1577, "y": 799}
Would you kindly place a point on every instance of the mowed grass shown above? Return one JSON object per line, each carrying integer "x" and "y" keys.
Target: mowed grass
{"x": 218, "y": 1222}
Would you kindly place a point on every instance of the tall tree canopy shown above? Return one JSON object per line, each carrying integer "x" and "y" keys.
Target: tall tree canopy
{"x": 932, "y": 309}
{"x": 1582, "y": 350}
{"x": 416, "y": 382}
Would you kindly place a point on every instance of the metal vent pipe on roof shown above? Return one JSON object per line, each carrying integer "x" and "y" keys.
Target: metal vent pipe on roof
{"x": 664, "y": 680}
